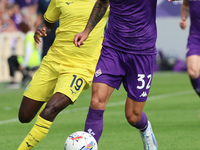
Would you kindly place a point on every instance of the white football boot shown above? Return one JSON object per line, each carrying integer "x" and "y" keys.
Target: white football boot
{"x": 148, "y": 138}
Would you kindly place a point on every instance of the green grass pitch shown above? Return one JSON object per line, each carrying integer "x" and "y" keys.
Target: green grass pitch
{"x": 172, "y": 107}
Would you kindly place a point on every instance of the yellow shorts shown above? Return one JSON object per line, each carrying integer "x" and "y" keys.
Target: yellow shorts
{"x": 52, "y": 77}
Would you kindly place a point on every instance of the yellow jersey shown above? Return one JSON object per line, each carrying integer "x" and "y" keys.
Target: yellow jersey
{"x": 73, "y": 16}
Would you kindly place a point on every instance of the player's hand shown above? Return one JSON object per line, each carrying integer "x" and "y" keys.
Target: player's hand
{"x": 183, "y": 23}
{"x": 80, "y": 38}
{"x": 40, "y": 32}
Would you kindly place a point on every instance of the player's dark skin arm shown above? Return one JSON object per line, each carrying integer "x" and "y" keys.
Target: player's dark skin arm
{"x": 43, "y": 30}
{"x": 96, "y": 15}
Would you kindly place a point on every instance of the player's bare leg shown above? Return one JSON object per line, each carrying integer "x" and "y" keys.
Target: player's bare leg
{"x": 100, "y": 95}
{"x": 44, "y": 121}
{"x": 137, "y": 118}
{"x": 55, "y": 105}
{"x": 133, "y": 111}
{"x": 193, "y": 69}
{"x": 28, "y": 109}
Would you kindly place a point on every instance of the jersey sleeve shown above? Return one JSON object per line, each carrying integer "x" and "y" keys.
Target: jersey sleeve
{"x": 53, "y": 12}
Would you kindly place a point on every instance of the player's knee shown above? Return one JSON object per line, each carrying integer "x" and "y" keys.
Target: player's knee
{"x": 132, "y": 119}
{"x": 96, "y": 103}
{"x": 50, "y": 112}
{"x": 193, "y": 73}
{"x": 24, "y": 117}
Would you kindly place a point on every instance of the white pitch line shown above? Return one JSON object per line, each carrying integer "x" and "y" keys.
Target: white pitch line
{"x": 8, "y": 121}
{"x": 170, "y": 95}
{"x": 150, "y": 98}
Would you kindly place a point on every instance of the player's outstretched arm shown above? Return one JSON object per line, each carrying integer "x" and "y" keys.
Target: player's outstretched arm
{"x": 42, "y": 30}
{"x": 96, "y": 15}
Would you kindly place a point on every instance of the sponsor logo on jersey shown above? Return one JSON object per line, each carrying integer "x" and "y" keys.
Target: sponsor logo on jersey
{"x": 27, "y": 87}
{"x": 73, "y": 91}
{"x": 28, "y": 145}
{"x": 144, "y": 94}
{"x": 69, "y": 3}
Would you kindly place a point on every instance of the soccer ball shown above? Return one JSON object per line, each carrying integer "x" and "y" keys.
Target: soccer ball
{"x": 80, "y": 140}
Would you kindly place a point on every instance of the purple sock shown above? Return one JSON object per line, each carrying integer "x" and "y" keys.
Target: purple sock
{"x": 196, "y": 85}
{"x": 94, "y": 123}
{"x": 143, "y": 123}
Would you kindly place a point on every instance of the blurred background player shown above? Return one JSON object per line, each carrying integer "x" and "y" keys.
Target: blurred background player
{"x": 28, "y": 10}
{"x": 65, "y": 71}
{"x": 30, "y": 59}
{"x": 192, "y": 8}
{"x": 127, "y": 56}
{"x": 6, "y": 17}
{"x": 48, "y": 40}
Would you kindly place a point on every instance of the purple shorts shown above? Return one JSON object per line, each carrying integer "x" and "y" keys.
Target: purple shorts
{"x": 134, "y": 71}
{"x": 193, "y": 46}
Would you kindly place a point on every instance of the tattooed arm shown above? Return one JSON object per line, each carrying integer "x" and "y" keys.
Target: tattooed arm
{"x": 184, "y": 14}
{"x": 96, "y": 15}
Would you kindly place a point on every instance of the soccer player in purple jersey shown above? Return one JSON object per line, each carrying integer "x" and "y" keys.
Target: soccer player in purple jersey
{"x": 127, "y": 57}
{"x": 192, "y": 8}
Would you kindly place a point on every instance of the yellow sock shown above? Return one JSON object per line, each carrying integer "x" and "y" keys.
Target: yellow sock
{"x": 37, "y": 134}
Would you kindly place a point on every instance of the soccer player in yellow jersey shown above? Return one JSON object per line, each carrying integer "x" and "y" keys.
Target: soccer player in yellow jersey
{"x": 65, "y": 71}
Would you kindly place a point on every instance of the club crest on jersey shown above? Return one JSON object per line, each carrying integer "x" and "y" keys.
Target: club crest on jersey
{"x": 27, "y": 87}
{"x": 98, "y": 73}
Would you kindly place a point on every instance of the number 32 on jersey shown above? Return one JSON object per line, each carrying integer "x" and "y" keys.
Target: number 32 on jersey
{"x": 141, "y": 79}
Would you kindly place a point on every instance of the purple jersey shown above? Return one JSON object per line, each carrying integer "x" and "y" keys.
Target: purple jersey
{"x": 132, "y": 26}
{"x": 195, "y": 17}
{"x": 193, "y": 45}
